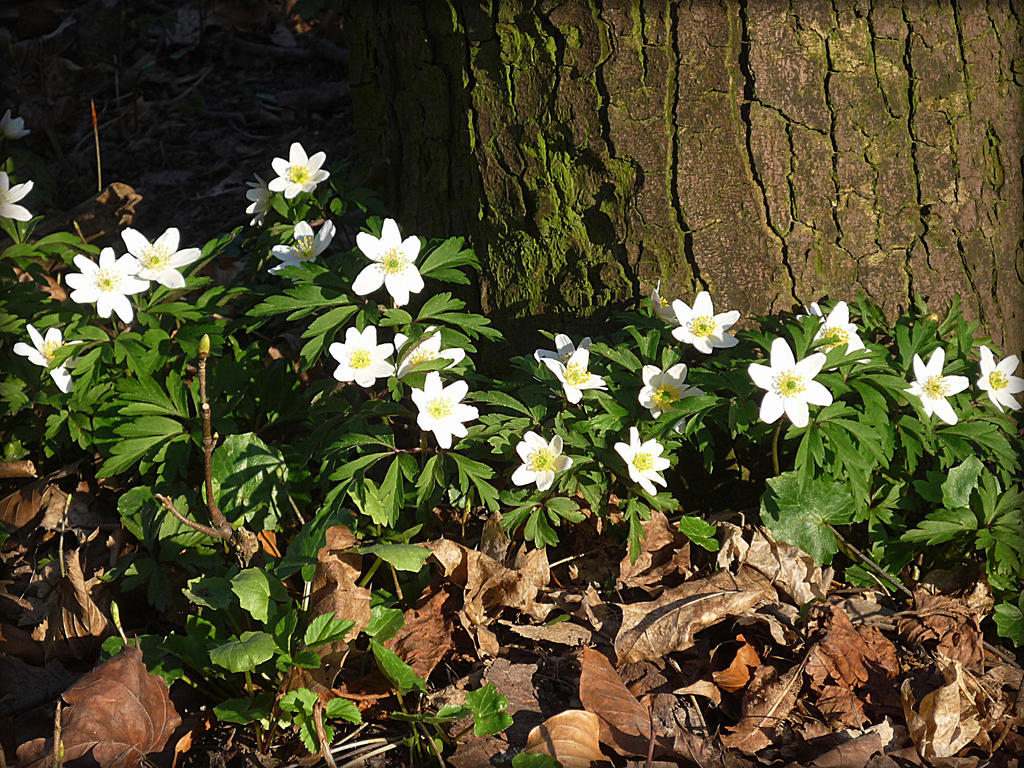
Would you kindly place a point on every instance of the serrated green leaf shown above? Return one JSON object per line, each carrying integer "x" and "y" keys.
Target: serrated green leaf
{"x": 343, "y": 709}
{"x": 255, "y": 591}
{"x": 802, "y": 516}
{"x": 700, "y": 532}
{"x": 326, "y": 628}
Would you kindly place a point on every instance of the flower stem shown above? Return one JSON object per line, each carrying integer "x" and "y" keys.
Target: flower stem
{"x": 775, "y": 447}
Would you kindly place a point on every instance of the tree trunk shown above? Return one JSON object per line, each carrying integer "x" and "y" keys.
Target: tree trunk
{"x": 773, "y": 153}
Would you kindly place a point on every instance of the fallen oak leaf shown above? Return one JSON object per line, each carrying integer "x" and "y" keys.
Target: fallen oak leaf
{"x": 119, "y": 711}
{"x": 571, "y": 737}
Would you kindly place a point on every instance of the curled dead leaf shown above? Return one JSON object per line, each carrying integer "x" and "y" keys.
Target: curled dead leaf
{"x": 735, "y": 676}
{"x": 655, "y": 629}
{"x": 947, "y": 718}
{"x": 571, "y": 737}
{"x": 665, "y": 552}
{"x": 119, "y": 711}
{"x": 789, "y": 568}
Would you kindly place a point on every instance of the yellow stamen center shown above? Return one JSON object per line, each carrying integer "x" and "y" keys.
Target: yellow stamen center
{"x": 663, "y": 301}
{"x": 108, "y": 279}
{"x": 393, "y": 262}
{"x": 359, "y": 358}
{"x": 702, "y": 326}
{"x": 440, "y": 407}
{"x": 50, "y": 349}
{"x": 998, "y": 380}
{"x": 835, "y": 336}
{"x": 421, "y": 355}
{"x": 155, "y": 257}
{"x": 576, "y": 374}
{"x": 643, "y": 462}
{"x": 299, "y": 174}
{"x": 664, "y": 396}
{"x": 935, "y": 387}
{"x": 541, "y": 460}
{"x": 788, "y": 384}
{"x": 304, "y": 247}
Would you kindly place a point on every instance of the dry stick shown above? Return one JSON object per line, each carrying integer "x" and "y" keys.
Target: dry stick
{"x": 321, "y": 734}
{"x": 58, "y": 745}
{"x": 169, "y": 506}
{"x": 216, "y": 516}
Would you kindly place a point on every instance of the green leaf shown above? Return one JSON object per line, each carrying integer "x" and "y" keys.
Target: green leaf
{"x": 400, "y": 674}
{"x": 802, "y": 516}
{"x": 961, "y": 480}
{"x": 244, "y": 653}
{"x": 255, "y": 591}
{"x": 384, "y": 623}
{"x": 249, "y": 480}
{"x": 534, "y": 760}
{"x": 213, "y": 592}
{"x": 1009, "y": 621}
{"x": 943, "y": 525}
{"x": 700, "y": 532}
{"x": 326, "y": 628}
{"x": 404, "y": 557}
{"x": 241, "y": 711}
{"x": 343, "y": 709}
{"x": 488, "y": 707}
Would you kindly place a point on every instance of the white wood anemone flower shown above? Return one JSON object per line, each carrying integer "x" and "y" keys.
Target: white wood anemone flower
{"x": 541, "y": 460}
{"x": 424, "y": 349}
{"x": 107, "y": 284}
{"x": 790, "y": 384}
{"x": 160, "y": 260}
{"x": 836, "y": 329}
{"x": 574, "y": 374}
{"x": 644, "y": 461}
{"x": 564, "y": 349}
{"x": 701, "y": 327}
{"x": 13, "y": 127}
{"x": 394, "y": 264}
{"x": 258, "y": 195}
{"x": 9, "y": 196}
{"x": 361, "y": 359}
{"x": 307, "y": 246}
{"x": 42, "y": 351}
{"x": 663, "y": 389}
{"x": 998, "y": 381}
{"x": 299, "y": 173}
{"x": 661, "y": 306}
{"x": 441, "y": 409}
{"x": 932, "y": 388}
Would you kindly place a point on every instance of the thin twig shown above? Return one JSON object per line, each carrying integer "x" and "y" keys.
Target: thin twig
{"x": 361, "y": 759}
{"x": 216, "y": 516}
{"x": 58, "y": 744}
{"x": 169, "y": 506}
{"x": 888, "y": 577}
{"x": 321, "y": 734}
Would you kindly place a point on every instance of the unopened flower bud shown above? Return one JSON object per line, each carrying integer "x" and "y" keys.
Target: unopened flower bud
{"x": 204, "y": 345}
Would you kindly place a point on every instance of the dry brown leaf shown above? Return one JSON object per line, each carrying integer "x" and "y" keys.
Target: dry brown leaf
{"x": 625, "y": 722}
{"x": 23, "y": 468}
{"x": 76, "y": 624}
{"x": 334, "y": 591}
{"x": 736, "y": 676}
{"x": 950, "y": 623}
{"x": 767, "y": 702}
{"x": 489, "y": 587}
{"x": 653, "y": 630}
{"x": 426, "y": 636}
{"x": 854, "y": 658}
{"x": 562, "y": 633}
{"x": 30, "y": 503}
{"x": 789, "y": 568}
{"x": 665, "y": 552}
{"x": 119, "y": 711}
{"x": 571, "y": 737}
{"x": 858, "y": 749}
{"x": 100, "y": 218}
{"x": 947, "y": 718}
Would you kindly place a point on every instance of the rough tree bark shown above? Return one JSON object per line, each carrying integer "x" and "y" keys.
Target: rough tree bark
{"x": 771, "y": 152}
